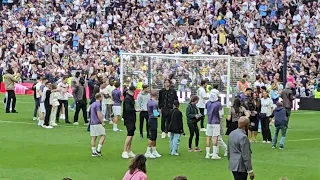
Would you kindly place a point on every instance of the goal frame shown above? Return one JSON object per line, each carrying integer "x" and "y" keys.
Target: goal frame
{"x": 228, "y": 57}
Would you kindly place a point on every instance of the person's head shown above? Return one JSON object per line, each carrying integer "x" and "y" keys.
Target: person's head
{"x": 288, "y": 85}
{"x": 138, "y": 163}
{"x": 10, "y": 71}
{"x": 98, "y": 97}
{"x": 66, "y": 178}
{"x": 111, "y": 82}
{"x": 167, "y": 83}
{"x": 81, "y": 81}
{"x": 203, "y": 83}
{"x": 48, "y": 85}
{"x": 243, "y": 123}
{"x": 93, "y": 76}
{"x": 38, "y": 79}
{"x": 248, "y": 92}
{"x": 176, "y": 104}
{"x": 145, "y": 88}
{"x": 214, "y": 95}
{"x": 279, "y": 104}
{"x": 77, "y": 74}
{"x": 153, "y": 94}
{"x": 53, "y": 86}
{"x": 64, "y": 80}
{"x": 103, "y": 85}
{"x": 215, "y": 86}
{"x": 194, "y": 100}
{"x": 263, "y": 89}
{"x": 180, "y": 178}
{"x": 117, "y": 85}
{"x": 131, "y": 90}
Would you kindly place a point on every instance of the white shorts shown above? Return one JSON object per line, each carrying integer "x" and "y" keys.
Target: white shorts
{"x": 97, "y": 130}
{"x": 116, "y": 110}
{"x": 213, "y": 130}
{"x": 42, "y": 108}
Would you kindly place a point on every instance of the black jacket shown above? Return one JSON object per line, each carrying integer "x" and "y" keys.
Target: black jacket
{"x": 175, "y": 123}
{"x": 129, "y": 112}
{"x": 166, "y": 98}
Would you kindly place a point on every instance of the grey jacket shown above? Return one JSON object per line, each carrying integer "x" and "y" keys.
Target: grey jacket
{"x": 143, "y": 99}
{"x": 287, "y": 98}
{"x": 79, "y": 93}
{"x": 239, "y": 152}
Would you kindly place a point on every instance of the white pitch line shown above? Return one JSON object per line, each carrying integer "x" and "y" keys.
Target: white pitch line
{"x": 14, "y": 122}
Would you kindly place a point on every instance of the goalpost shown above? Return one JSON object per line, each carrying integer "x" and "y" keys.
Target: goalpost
{"x": 186, "y": 71}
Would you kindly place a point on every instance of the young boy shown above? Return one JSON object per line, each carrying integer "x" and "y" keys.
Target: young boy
{"x": 175, "y": 127}
{"x": 153, "y": 125}
{"x": 281, "y": 123}
{"x": 97, "y": 126}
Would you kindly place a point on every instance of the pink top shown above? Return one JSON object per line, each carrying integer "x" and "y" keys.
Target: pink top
{"x": 291, "y": 79}
{"x": 137, "y": 175}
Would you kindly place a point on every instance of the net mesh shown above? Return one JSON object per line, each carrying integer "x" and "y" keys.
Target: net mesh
{"x": 187, "y": 72}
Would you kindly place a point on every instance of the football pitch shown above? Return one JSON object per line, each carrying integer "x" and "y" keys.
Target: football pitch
{"x": 28, "y": 152}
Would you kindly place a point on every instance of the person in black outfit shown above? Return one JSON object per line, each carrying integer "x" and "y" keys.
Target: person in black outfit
{"x": 166, "y": 97}
{"x": 129, "y": 116}
{"x": 175, "y": 127}
{"x": 95, "y": 90}
{"x": 81, "y": 101}
{"x": 48, "y": 107}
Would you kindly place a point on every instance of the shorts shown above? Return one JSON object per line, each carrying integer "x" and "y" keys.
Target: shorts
{"x": 153, "y": 134}
{"x": 97, "y": 130}
{"x": 116, "y": 110}
{"x": 130, "y": 129}
{"x": 254, "y": 123}
{"x": 213, "y": 130}
{"x": 42, "y": 108}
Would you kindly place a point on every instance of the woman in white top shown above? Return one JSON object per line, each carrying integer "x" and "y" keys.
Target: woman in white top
{"x": 266, "y": 111}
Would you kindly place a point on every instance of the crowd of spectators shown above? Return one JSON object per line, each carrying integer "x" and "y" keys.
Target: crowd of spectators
{"x": 55, "y": 37}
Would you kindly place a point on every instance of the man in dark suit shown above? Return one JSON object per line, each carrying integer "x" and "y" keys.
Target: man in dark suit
{"x": 239, "y": 151}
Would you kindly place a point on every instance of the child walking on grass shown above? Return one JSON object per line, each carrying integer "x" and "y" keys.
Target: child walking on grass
{"x": 54, "y": 103}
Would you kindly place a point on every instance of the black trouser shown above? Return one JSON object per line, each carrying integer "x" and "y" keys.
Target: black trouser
{"x": 81, "y": 106}
{"x": 47, "y": 116}
{"x": 288, "y": 110}
{"x": 164, "y": 118}
{"x": 11, "y": 96}
{"x": 65, "y": 104}
{"x": 36, "y": 107}
{"x": 266, "y": 133}
{"x": 144, "y": 116}
{"x": 240, "y": 175}
{"x": 194, "y": 129}
{"x": 202, "y": 118}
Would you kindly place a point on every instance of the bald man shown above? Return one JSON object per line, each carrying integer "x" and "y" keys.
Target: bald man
{"x": 239, "y": 151}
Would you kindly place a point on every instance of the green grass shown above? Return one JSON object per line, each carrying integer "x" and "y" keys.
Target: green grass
{"x": 32, "y": 153}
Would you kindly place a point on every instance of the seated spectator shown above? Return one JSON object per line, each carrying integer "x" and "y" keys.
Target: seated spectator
{"x": 137, "y": 169}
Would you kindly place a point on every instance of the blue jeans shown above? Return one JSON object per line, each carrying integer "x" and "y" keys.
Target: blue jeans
{"x": 283, "y": 135}
{"x": 174, "y": 143}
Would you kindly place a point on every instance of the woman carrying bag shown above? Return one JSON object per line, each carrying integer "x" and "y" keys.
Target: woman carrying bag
{"x": 235, "y": 112}
{"x": 193, "y": 117}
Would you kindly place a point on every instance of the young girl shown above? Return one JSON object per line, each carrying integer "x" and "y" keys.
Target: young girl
{"x": 193, "y": 117}
{"x": 175, "y": 127}
{"x": 54, "y": 102}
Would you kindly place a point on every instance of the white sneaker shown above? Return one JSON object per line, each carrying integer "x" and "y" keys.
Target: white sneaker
{"x": 208, "y": 156}
{"x": 268, "y": 142}
{"x": 203, "y": 130}
{"x": 156, "y": 154}
{"x": 75, "y": 123}
{"x": 264, "y": 141}
{"x": 175, "y": 154}
{"x": 149, "y": 155}
{"x": 169, "y": 134}
{"x": 225, "y": 154}
{"x": 110, "y": 122}
{"x": 54, "y": 124}
{"x": 116, "y": 130}
{"x": 62, "y": 116}
{"x": 86, "y": 124}
{"x": 104, "y": 120}
{"x": 48, "y": 127}
{"x": 163, "y": 135}
{"x": 131, "y": 154}
{"x": 35, "y": 118}
{"x": 215, "y": 157}
{"x": 122, "y": 119}
{"x": 125, "y": 155}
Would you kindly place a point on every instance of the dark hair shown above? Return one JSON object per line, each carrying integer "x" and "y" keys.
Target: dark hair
{"x": 180, "y": 178}
{"x": 203, "y": 82}
{"x": 215, "y": 86}
{"x": 145, "y": 86}
{"x": 81, "y": 81}
{"x": 117, "y": 84}
{"x": 194, "y": 98}
{"x": 10, "y": 71}
{"x": 132, "y": 88}
{"x": 236, "y": 105}
{"x": 264, "y": 88}
{"x": 167, "y": 79}
{"x": 66, "y": 178}
{"x": 176, "y": 103}
{"x": 77, "y": 74}
{"x": 139, "y": 162}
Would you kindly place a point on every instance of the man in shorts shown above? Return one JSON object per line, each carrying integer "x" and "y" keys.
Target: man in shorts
{"x": 153, "y": 125}
{"x": 97, "y": 126}
{"x": 129, "y": 116}
{"x": 215, "y": 114}
{"x": 116, "y": 108}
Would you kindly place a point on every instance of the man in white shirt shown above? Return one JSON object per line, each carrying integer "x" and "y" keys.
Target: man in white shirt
{"x": 258, "y": 82}
{"x": 63, "y": 88}
{"x": 105, "y": 96}
{"x": 109, "y": 101}
{"x": 202, "y": 94}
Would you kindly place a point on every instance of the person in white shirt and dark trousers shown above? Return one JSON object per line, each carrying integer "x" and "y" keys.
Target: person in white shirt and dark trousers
{"x": 202, "y": 94}
{"x": 265, "y": 113}
{"x": 143, "y": 99}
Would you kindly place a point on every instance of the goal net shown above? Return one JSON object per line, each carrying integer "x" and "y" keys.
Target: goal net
{"x": 186, "y": 72}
